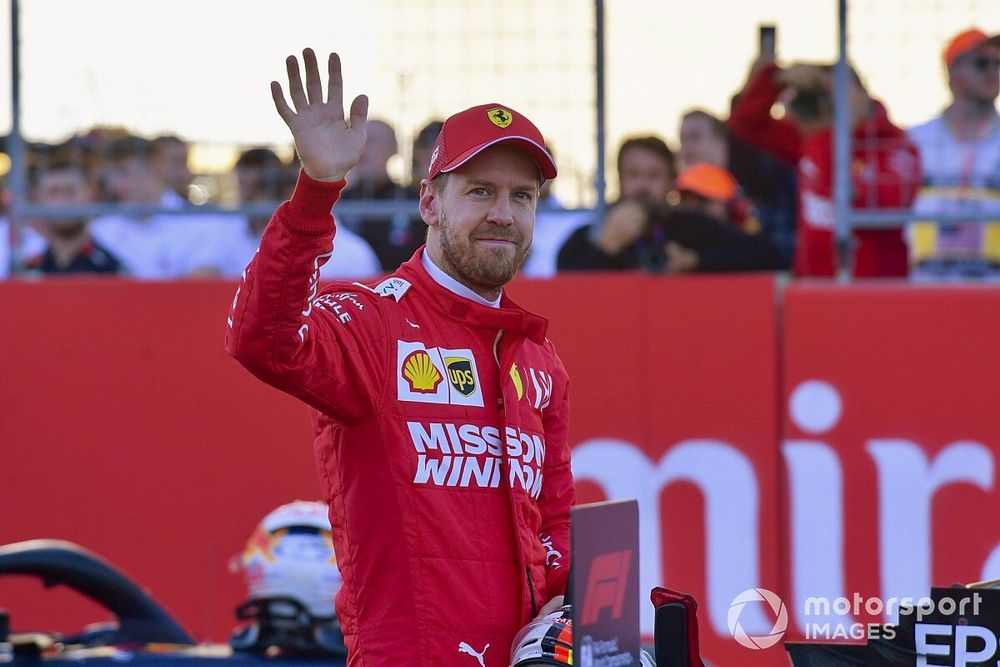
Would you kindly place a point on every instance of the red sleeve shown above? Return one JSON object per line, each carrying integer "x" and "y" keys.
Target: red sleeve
{"x": 326, "y": 349}
{"x": 750, "y": 120}
{"x": 896, "y": 179}
{"x": 558, "y": 492}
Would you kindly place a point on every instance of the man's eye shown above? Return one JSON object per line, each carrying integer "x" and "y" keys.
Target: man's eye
{"x": 479, "y": 191}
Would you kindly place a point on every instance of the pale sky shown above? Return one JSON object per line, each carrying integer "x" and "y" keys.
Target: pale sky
{"x": 200, "y": 68}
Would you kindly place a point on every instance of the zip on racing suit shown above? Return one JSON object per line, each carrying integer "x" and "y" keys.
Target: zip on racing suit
{"x": 440, "y": 442}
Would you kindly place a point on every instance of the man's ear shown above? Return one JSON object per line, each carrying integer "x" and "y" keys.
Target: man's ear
{"x": 429, "y": 205}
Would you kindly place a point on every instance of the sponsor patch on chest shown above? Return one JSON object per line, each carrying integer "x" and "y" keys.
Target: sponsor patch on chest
{"x": 437, "y": 375}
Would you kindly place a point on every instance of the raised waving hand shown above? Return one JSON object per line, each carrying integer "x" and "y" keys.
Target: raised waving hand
{"x": 328, "y": 144}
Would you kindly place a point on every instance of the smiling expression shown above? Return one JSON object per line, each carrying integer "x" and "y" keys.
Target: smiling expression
{"x": 482, "y": 218}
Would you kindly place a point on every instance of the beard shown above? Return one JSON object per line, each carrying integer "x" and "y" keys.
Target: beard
{"x": 68, "y": 230}
{"x": 481, "y": 267}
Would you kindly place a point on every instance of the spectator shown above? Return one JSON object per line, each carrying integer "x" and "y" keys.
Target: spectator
{"x": 265, "y": 179}
{"x": 170, "y": 160}
{"x": 553, "y": 225}
{"x": 711, "y": 228}
{"x": 394, "y": 237}
{"x": 29, "y": 243}
{"x": 960, "y": 161}
{"x": 423, "y": 150}
{"x": 26, "y": 240}
{"x": 768, "y": 183}
{"x": 885, "y": 174}
{"x": 704, "y": 139}
{"x": 370, "y": 177}
{"x": 164, "y": 245}
{"x": 70, "y": 249}
{"x": 620, "y": 240}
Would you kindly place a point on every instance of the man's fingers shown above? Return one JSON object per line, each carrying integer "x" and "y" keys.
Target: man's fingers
{"x": 359, "y": 111}
{"x": 295, "y": 83}
{"x": 314, "y": 88}
{"x": 280, "y": 104}
{"x": 335, "y": 93}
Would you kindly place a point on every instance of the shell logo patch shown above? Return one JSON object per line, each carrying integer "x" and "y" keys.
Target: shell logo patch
{"x": 515, "y": 375}
{"x": 500, "y": 117}
{"x": 420, "y": 373}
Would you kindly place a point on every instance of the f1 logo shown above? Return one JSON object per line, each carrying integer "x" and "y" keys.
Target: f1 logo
{"x": 606, "y": 585}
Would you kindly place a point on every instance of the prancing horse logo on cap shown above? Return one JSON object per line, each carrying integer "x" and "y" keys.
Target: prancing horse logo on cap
{"x": 500, "y": 117}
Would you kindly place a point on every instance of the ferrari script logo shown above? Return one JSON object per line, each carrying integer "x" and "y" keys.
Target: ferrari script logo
{"x": 500, "y": 117}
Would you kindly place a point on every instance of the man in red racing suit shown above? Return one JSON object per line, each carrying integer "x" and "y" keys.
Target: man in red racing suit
{"x": 440, "y": 407}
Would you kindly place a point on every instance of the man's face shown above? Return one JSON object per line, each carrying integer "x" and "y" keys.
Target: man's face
{"x": 63, "y": 187}
{"x": 481, "y": 223}
{"x": 700, "y": 144}
{"x": 133, "y": 179}
{"x": 645, "y": 176}
{"x": 172, "y": 164}
{"x": 421, "y": 160}
{"x": 380, "y": 146}
{"x": 975, "y": 74}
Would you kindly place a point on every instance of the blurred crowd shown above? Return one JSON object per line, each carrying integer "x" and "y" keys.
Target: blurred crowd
{"x": 751, "y": 192}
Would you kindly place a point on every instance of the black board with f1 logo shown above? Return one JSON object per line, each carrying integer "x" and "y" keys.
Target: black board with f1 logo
{"x": 605, "y": 582}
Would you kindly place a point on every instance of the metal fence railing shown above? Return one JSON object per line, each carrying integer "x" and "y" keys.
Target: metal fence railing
{"x": 562, "y": 60}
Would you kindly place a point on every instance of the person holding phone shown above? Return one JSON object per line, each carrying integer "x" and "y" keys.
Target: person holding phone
{"x": 885, "y": 173}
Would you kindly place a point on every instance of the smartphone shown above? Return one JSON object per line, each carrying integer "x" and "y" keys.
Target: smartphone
{"x": 768, "y": 35}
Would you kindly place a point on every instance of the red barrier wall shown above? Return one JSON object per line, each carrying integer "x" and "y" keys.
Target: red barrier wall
{"x": 126, "y": 428}
{"x": 894, "y": 410}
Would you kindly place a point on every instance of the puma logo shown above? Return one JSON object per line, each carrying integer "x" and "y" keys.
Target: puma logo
{"x": 478, "y": 655}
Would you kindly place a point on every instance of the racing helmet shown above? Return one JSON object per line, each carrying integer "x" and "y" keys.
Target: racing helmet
{"x": 292, "y": 577}
{"x": 290, "y": 554}
{"x": 549, "y": 641}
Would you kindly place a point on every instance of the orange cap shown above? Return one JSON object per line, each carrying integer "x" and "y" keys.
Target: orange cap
{"x": 708, "y": 181}
{"x": 965, "y": 41}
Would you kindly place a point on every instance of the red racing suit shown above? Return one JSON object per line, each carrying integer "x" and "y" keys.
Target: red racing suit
{"x": 440, "y": 442}
{"x": 885, "y": 173}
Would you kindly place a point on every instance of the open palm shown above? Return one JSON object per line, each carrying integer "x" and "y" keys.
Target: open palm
{"x": 328, "y": 144}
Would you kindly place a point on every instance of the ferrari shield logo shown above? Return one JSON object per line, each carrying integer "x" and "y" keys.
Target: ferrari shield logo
{"x": 461, "y": 375}
{"x": 500, "y": 117}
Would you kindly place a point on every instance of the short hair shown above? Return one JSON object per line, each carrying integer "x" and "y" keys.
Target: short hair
{"x": 429, "y": 133}
{"x": 258, "y": 157}
{"x": 653, "y": 145}
{"x": 717, "y": 125}
{"x": 439, "y": 181}
{"x": 162, "y": 141}
{"x": 56, "y": 162}
{"x": 127, "y": 147}
{"x": 852, "y": 74}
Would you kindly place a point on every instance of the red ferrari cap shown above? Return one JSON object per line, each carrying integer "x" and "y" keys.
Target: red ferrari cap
{"x": 469, "y": 132}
